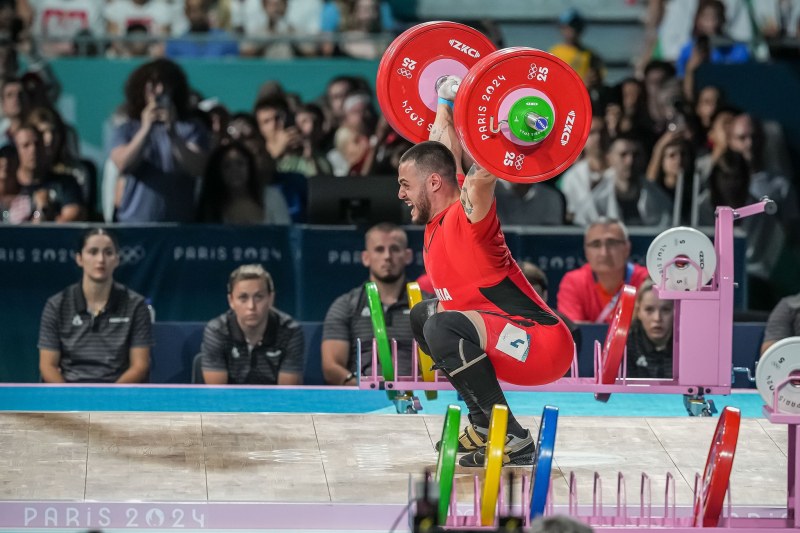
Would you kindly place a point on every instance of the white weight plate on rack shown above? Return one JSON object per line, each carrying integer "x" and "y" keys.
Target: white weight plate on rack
{"x": 776, "y": 365}
{"x": 681, "y": 242}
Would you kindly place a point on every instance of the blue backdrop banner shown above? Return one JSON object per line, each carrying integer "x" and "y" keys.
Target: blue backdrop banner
{"x": 184, "y": 270}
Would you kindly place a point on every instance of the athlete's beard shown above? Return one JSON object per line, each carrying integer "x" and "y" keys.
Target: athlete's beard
{"x": 423, "y": 209}
{"x": 388, "y": 278}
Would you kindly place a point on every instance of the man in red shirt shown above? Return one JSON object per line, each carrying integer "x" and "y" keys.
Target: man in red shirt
{"x": 589, "y": 293}
{"x": 487, "y": 322}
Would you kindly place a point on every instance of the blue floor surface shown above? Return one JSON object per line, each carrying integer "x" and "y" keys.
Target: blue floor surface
{"x": 254, "y": 400}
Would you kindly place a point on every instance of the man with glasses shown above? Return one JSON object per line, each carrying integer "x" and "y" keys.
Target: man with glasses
{"x": 589, "y": 293}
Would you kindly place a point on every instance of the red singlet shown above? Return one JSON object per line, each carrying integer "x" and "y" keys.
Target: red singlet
{"x": 471, "y": 269}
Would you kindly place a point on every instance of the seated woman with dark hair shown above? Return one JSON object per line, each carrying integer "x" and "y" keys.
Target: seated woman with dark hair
{"x": 60, "y": 156}
{"x": 96, "y": 330}
{"x": 650, "y": 336}
{"x": 671, "y": 167}
{"x": 231, "y": 192}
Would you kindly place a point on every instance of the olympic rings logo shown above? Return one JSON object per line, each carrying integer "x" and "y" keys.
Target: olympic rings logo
{"x": 540, "y": 73}
{"x": 514, "y": 160}
{"x": 405, "y": 73}
{"x": 130, "y": 255}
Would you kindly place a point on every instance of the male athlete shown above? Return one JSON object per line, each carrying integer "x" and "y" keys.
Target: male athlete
{"x": 486, "y": 316}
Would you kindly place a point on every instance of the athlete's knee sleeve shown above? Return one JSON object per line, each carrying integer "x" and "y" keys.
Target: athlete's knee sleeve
{"x": 454, "y": 341}
{"x": 420, "y": 314}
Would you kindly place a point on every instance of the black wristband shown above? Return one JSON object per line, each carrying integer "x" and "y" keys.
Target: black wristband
{"x": 350, "y": 376}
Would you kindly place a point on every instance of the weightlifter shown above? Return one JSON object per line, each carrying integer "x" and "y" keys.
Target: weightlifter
{"x": 487, "y": 320}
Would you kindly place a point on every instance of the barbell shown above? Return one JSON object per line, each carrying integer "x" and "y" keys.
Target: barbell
{"x": 521, "y": 113}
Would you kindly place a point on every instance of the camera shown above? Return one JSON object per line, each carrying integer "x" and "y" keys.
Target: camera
{"x": 287, "y": 119}
{"x": 163, "y": 105}
{"x": 163, "y": 101}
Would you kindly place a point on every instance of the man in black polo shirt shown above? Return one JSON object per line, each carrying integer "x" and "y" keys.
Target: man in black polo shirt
{"x": 252, "y": 343}
{"x": 386, "y": 254}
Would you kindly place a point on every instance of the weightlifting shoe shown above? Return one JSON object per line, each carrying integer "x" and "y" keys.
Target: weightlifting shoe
{"x": 446, "y": 87}
{"x": 472, "y": 438}
{"x": 518, "y": 452}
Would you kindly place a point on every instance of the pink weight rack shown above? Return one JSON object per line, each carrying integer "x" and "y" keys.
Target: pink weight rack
{"x": 647, "y": 514}
{"x": 620, "y": 515}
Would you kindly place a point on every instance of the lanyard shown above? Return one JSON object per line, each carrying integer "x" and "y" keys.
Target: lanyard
{"x": 609, "y": 308}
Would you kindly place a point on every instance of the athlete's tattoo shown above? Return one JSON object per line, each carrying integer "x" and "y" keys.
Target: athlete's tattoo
{"x": 439, "y": 131}
{"x": 436, "y": 134}
{"x": 466, "y": 203}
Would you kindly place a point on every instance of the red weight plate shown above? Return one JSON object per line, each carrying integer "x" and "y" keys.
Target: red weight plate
{"x": 717, "y": 473}
{"x": 617, "y": 338}
{"x": 489, "y": 90}
{"x": 407, "y": 74}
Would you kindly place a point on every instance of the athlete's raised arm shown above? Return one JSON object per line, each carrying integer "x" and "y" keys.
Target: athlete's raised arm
{"x": 442, "y": 129}
{"x": 477, "y": 192}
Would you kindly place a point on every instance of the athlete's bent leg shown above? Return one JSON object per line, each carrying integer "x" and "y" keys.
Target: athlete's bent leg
{"x": 420, "y": 315}
{"x": 456, "y": 348}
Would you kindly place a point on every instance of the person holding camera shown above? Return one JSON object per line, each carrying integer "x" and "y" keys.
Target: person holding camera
{"x": 159, "y": 151}
{"x": 308, "y": 158}
{"x": 276, "y": 124}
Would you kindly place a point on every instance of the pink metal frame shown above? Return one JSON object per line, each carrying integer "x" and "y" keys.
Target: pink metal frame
{"x": 702, "y": 337}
